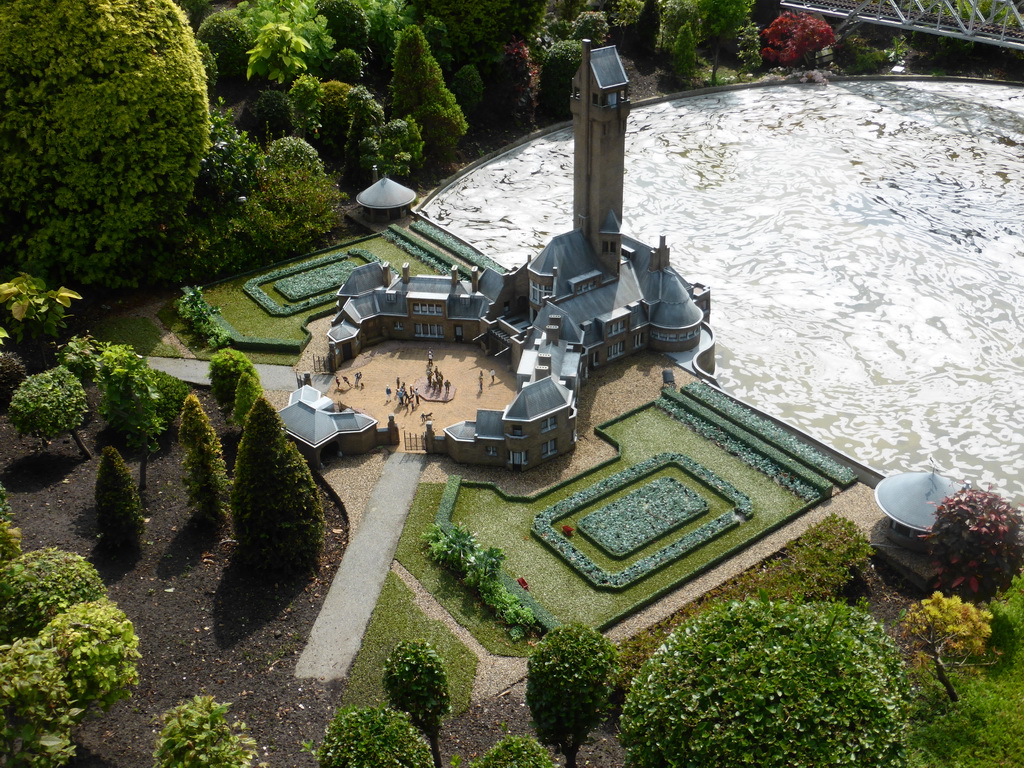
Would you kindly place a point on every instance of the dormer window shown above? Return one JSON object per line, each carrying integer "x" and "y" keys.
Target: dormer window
{"x": 608, "y": 246}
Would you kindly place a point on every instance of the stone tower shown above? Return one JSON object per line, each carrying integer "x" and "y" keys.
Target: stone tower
{"x": 600, "y": 108}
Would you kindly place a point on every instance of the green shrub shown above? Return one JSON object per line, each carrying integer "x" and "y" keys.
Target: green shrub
{"x": 648, "y": 27}
{"x": 106, "y": 103}
{"x": 556, "y": 75}
{"x": 248, "y": 391}
{"x": 197, "y": 734}
{"x": 35, "y": 715}
{"x": 12, "y": 373}
{"x": 347, "y": 23}
{"x": 199, "y": 317}
{"x": 591, "y": 25}
{"x": 858, "y": 57}
{"x": 206, "y": 477}
{"x": 230, "y": 39}
{"x": 41, "y": 584}
{"x": 226, "y": 367}
{"x": 335, "y": 117}
{"x": 291, "y": 153}
{"x": 275, "y": 504}
{"x": 684, "y": 52}
{"x": 97, "y": 649}
{"x": 568, "y": 686}
{"x": 381, "y": 737}
{"x": 291, "y": 38}
{"x": 230, "y": 166}
{"x": 416, "y": 683}
{"x": 770, "y": 684}
{"x": 272, "y": 112}
{"x": 975, "y": 543}
{"x": 49, "y": 404}
{"x": 346, "y": 65}
{"x": 172, "y": 392}
{"x": 306, "y": 96}
{"x": 468, "y": 88}
{"x": 5, "y": 504}
{"x": 195, "y": 10}
{"x": 366, "y": 118}
{"x": 119, "y": 516}
{"x": 515, "y": 752}
{"x": 10, "y": 541}
{"x": 81, "y": 356}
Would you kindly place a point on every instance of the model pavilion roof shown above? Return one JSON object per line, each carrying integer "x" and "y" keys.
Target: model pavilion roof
{"x": 311, "y": 418}
{"x": 385, "y": 194}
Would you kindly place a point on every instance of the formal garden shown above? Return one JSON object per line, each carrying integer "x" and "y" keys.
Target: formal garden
{"x": 164, "y": 550}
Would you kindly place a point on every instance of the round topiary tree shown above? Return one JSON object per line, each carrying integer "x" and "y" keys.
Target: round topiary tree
{"x": 12, "y": 373}
{"x": 226, "y": 366}
{"x": 275, "y": 504}
{"x": 416, "y": 683}
{"x": 568, "y": 685}
{"x": 97, "y": 648}
{"x": 41, "y": 584}
{"x": 197, "y": 733}
{"x": 515, "y": 752}
{"x": 230, "y": 39}
{"x": 272, "y": 112}
{"x": 468, "y": 88}
{"x": 206, "y": 476}
{"x": 346, "y": 65}
{"x": 107, "y": 103}
{"x": 119, "y": 517}
{"x": 770, "y": 684}
{"x": 335, "y": 117}
{"x": 291, "y": 152}
{"x": 347, "y": 23}
{"x": 556, "y": 75}
{"x": 591, "y": 25}
{"x": 976, "y": 544}
{"x": 374, "y": 736}
{"x": 49, "y": 404}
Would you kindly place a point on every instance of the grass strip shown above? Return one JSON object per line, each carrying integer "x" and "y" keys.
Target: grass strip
{"x": 140, "y": 333}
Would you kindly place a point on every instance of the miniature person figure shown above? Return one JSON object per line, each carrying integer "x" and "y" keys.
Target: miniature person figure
{"x": 481, "y": 381}
{"x": 430, "y": 356}
{"x": 337, "y": 383}
{"x": 398, "y": 382}
{"x": 387, "y": 391}
{"x": 348, "y": 384}
{"x": 417, "y": 398}
{"x": 359, "y": 376}
{"x": 447, "y": 387}
{"x": 401, "y": 397}
{"x": 492, "y": 375}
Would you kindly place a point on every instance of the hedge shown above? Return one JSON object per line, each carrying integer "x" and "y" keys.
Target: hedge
{"x": 254, "y": 286}
{"x": 465, "y": 252}
{"x": 440, "y": 262}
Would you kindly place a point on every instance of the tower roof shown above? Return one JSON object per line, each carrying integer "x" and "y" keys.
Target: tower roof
{"x": 607, "y": 68}
{"x": 385, "y": 194}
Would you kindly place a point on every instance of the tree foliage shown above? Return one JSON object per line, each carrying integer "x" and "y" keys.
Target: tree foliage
{"x": 798, "y": 685}
{"x": 275, "y": 504}
{"x": 347, "y": 23}
{"x": 119, "y": 517}
{"x": 107, "y": 104}
{"x": 375, "y": 736}
{"x": 206, "y": 477}
{"x": 10, "y": 541}
{"x": 416, "y": 683}
{"x": 515, "y": 752}
{"x": 35, "y": 310}
{"x": 49, "y": 404}
{"x": 247, "y": 392}
{"x": 468, "y": 88}
{"x": 791, "y": 37}
{"x": 721, "y": 19}
{"x": 366, "y": 118}
{"x": 568, "y": 686}
{"x": 478, "y": 30}
{"x": 230, "y": 167}
{"x": 556, "y": 75}
{"x": 230, "y": 39}
{"x": 975, "y": 543}
{"x": 291, "y": 38}
{"x": 197, "y": 734}
{"x": 418, "y": 90}
{"x": 226, "y": 368}
{"x": 40, "y": 584}
{"x": 97, "y": 650}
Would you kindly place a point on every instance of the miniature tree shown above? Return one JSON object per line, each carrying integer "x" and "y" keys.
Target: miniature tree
{"x": 515, "y": 752}
{"x": 35, "y": 310}
{"x": 771, "y": 684}
{"x": 97, "y": 649}
{"x": 275, "y": 504}
{"x": 375, "y": 736}
{"x": 226, "y": 367}
{"x": 248, "y": 391}
{"x": 418, "y": 90}
{"x": 721, "y": 19}
{"x": 568, "y": 686}
{"x": 975, "y": 543}
{"x": 206, "y": 476}
{"x": 792, "y": 37}
{"x": 12, "y": 373}
{"x": 556, "y": 76}
{"x": 49, "y": 404}
{"x": 119, "y": 515}
{"x": 947, "y": 633}
{"x": 416, "y": 683}
{"x": 197, "y": 734}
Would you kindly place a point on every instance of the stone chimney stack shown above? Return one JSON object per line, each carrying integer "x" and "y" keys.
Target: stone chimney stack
{"x": 659, "y": 259}
{"x": 554, "y": 329}
{"x": 543, "y": 369}
{"x": 475, "y": 275}
{"x": 455, "y": 278}
{"x": 405, "y": 273}
{"x": 385, "y": 269}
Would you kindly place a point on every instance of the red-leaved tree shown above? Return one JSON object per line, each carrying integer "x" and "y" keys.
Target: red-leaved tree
{"x": 792, "y": 36}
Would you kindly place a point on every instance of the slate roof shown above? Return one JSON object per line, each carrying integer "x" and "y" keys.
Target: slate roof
{"x": 571, "y": 253}
{"x": 611, "y": 225}
{"x": 468, "y": 307}
{"x": 385, "y": 194}
{"x": 362, "y": 280}
{"x": 607, "y": 68}
{"x": 537, "y": 398}
{"x": 491, "y": 284}
{"x": 488, "y": 424}
{"x": 462, "y": 430}
{"x": 311, "y": 418}
{"x": 342, "y": 331}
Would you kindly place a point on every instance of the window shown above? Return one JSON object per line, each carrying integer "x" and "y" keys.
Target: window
{"x": 430, "y": 330}
{"x": 607, "y": 246}
{"x": 491, "y": 450}
{"x": 619, "y": 326}
{"x": 517, "y": 430}
{"x": 587, "y": 286}
{"x": 616, "y": 350}
{"x": 517, "y": 458}
{"x": 550, "y": 448}
{"x": 427, "y": 309}
{"x": 399, "y": 326}
{"x": 638, "y": 340}
{"x": 391, "y": 297}
{"x": 539, "y": 292}
{"x": 549, "y": 423}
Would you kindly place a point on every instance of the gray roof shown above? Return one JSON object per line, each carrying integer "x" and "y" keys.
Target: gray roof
{"x": 607, "y": 67}
{"x": 537, "y": 398}
{"x": 342, "y": 331}
{"x": 488, "y": 424}
{"x": 463, "y": 430}
{"x": 468, "y": 307}
{"x": 310, "y": 417}
{"x": 491, "y": 284}
{"x": 385, "y": 194}
{"x": 675, "y": 307}
{"x": 573, "y": 256}
{"x": 611, "y": 224}
{"x": 362, "y": 280}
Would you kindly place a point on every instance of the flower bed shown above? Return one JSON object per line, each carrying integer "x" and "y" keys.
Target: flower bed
{"x": 634, "y": 521}
{"x": 465, "y": 252}
{"x": 313, "y": 282}
{"x": 746, "y": 447}
{"x": 543, "y": 523}
{"x": 441, "y": 263}
{"x": 254, "y": 286}
{"x": 739, "y": 414}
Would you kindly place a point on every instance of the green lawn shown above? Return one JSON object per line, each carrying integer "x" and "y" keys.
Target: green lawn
{"x": 138, "y": 332}
{"x": 396, "y": 618}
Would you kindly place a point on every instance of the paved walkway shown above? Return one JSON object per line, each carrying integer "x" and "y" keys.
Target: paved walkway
{"x": 338, "y": 631}
{"x": 276, "y": 377}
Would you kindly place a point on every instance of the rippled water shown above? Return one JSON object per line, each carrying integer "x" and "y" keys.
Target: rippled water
{"x": 865, "y": 245}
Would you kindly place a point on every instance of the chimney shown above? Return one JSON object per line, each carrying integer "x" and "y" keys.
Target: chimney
{"x": 376, "y": 176}
{"x": 455, "y": 278}
{"x": 405, "y": 273}
{"x": 475, "y": 275}
{"x": 554, "y": 281}
{"x": 554, "y": 329}
{"x": 659, "y": 258}
{"x": 543, "y": 368}
{"x": 385, "y": 269}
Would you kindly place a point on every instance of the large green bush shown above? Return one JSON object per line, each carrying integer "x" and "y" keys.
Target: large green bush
{"x": 568, "y": 686}
{"x": 556, "y": 75}
{"x": 275, "y": 504}
{"x": 272, "y": 112}
{"x": 107, "y": 104}
{"x": 197, "y": 734}
{"x": 291, "y": 38}
{"x": 378, "y": 737}
{"x": 346, "y": 65}
{"x": 416, "y": 683}
{"x": 334, "y": 117}
{"x": 770, "y": 684}
{"x": 477, "y": 31}
{"x": 591, "y": 25}
{"x": 226, "y": 367}
{"x": 347, "y": 23}
{"x": 49, "y": 404}
{"x": 295, "y": 154}
{"x": 41, "y": 584}
{"x": 515, "y": 752}
{"x": 119, "y": 517}
{"x": 230, "y": 166}
{"x": 230, "y": 39}
{"x": 206, "y": 476}
{"x": 468, "y": 88}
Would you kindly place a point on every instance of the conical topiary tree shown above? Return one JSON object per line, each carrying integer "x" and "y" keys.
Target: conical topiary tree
{"x": 248, "y": 391}
{"x": 275, "y": 504}
{"x": 226, "y": 367}
{"x": 416, "y": 683}
{"x": 206, "y": 475}
{"x": 118, "y": 507}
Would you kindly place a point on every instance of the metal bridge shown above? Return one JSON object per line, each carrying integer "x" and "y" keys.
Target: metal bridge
{"x": 998, "y": 22}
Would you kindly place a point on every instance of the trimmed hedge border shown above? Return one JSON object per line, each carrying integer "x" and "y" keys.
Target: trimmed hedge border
{"x": 440, "y": 262}
{"x": 600, "y": 578}
{"x": 741, "y": 415}
{"x": 781, "y": 468}
{"x": 253, "y": 287}
{"x": 465, "y": 252}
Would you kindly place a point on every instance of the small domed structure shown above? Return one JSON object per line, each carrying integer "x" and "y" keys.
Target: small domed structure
{"x": 909, "y": 500}
{"x": 385, "y": 200}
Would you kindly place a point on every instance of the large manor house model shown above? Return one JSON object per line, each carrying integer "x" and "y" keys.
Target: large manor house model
{"x": 591, "y": 296}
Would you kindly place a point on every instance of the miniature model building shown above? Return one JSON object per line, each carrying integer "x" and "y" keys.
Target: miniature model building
{"x": 591, "y": 296}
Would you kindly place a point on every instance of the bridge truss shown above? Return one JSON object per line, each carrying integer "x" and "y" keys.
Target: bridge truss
{"x": 998, "y": 22}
